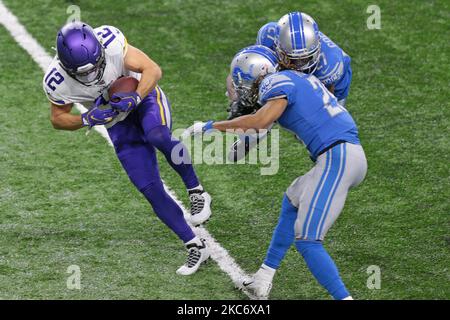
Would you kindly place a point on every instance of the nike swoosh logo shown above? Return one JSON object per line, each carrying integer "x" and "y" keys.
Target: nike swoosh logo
{"x": 245, "y": 283}
{"x": 105, "y": 119}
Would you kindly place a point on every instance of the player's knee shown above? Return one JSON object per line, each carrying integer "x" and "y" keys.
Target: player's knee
{"x": 287, "y": 208}
{"x": 303, "y": 246}
{"x": 159, "y": 136}
{"x": 154, "y": 187}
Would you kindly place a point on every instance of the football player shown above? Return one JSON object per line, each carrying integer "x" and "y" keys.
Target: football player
{"x": 332, "y": 66}
{"x": 300, "y": 103}
{"x": 87, "y": 62}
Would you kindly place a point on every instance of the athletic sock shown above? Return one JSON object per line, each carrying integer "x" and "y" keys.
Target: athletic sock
{"x": 322, "y": 267}
{"x": 283, "y": 235}
{"x": 168, "y": 210}
{"x": 265, "y": 272}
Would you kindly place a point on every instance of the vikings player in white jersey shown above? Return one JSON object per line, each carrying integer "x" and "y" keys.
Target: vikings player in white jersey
{"x": 87, "y": 62}
{"x": 331, "y": 65}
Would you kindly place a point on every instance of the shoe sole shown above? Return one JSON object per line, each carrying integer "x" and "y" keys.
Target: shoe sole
{"x": 201, "y": 263}
{"x": 201, "y": 224}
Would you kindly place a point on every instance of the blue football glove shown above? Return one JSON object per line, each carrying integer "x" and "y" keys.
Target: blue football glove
{"x": 124, "y": 101}
{"x": 96, "y": 116}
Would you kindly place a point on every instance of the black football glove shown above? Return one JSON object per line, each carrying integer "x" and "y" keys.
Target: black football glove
{"x": 238, "y": 108}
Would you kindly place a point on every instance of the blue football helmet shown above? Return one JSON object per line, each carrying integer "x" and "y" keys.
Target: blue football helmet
{"x": 298, "y": 42}
{"x": 248, "y": 68}
{"x": 80, "y": 53}
{"x": 267, "y": 35}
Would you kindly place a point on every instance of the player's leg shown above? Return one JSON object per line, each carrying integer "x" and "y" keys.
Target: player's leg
{"x": 139, "y": 161}
{"x": 283, "y": 237}
{"x": 345, "y": 167}
{"x": 155, "y": 118}
{"x": 245, "y": 143}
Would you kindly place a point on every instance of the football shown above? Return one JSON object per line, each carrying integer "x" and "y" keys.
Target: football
{"x": 123, "y": 84}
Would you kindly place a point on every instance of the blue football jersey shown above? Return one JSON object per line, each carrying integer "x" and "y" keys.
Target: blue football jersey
{"x": 312, "y": 113}
{"x": 334, "y": 67}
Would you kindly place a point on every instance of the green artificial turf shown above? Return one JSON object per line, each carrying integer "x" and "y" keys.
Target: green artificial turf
{"x": 64, "y": 199}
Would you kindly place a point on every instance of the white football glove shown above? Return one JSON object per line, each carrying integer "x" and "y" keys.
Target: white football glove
{"x": 196, "y": 129}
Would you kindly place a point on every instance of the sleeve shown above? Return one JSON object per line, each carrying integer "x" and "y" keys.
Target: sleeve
{"x": 331, "y": 62}
{"x": 51, "y": 89}
{"x": 332, "y": 76}
{"x": 112, "y": 39}
{"x": 51, "y": 97}
{"x": 276, "y": 86}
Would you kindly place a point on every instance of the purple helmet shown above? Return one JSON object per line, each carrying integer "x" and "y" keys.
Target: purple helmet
{"x": 80, "y": 53}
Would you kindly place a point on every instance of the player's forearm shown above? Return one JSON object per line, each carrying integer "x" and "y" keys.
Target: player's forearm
{"x": 262, "y": 119}
{"x": 242, "y": 123}
{"x": 149, "y": 79}
{"x": 137, "y": 61}
{"x": 67, "y": 121}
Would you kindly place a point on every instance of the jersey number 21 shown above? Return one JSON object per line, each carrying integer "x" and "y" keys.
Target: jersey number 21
{"x": 331, "y": 105}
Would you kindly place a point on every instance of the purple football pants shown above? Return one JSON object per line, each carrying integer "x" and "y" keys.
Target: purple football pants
{"x": 135, "y": 140}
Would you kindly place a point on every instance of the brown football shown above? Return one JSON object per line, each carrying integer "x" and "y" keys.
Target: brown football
{"x": 124, "y": 84}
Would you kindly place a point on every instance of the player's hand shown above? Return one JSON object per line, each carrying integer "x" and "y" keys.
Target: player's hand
{"x": 197, "y": 128}
{"x": 96, "y": 116}
{"x": 100, "y": 101}
{"x": 125, "y": 101}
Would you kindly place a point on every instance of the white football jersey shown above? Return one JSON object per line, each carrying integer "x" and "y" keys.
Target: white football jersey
{"x": 61, "y": 89}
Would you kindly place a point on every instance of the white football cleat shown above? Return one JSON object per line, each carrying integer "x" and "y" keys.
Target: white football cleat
{"x": 258, "y": 286}
{"x": 198, "y": 253}
{"x": 200, "y": 206}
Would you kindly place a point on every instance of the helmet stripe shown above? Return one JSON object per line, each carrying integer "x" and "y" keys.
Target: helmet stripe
{"x": 301, "y": 28}
{"x": 291, "y": 30}
{"x": 297, "y": 30}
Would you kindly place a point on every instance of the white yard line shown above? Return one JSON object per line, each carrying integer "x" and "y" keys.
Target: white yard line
{"x": 42, "y": 58}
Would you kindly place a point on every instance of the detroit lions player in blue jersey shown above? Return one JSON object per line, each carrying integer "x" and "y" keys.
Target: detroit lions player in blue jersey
{"x": 330, "y": 64}
{"x": 312, "y": 203}
{"x": 241, "y": 104}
